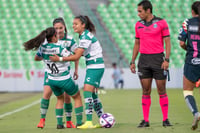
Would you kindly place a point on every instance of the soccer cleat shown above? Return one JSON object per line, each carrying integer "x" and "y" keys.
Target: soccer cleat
{"x": 70, "y": 124}
{"x": 97, "y": 125}
{"x": 143, "y": 124}
{"x": 41, "y": 124}
{"x": 195, "y": 121}
{"x": 60, "y": 127}
{"x": 86, "y": 125}
{"x": 166, "y": 123}
{"x": 79, "y": 124}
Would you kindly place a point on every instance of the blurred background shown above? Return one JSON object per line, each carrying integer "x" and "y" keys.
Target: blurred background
{"x": 114, "y": 20}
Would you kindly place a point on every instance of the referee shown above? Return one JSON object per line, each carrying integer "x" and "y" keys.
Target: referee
{"x": 150, "y": 34}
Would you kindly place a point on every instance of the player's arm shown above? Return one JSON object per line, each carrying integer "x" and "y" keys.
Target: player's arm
{"x": 135, "y": 53}
{"x": 183, "y": 45}
{"x": 76, "y": 70}
{"x": 167, "y": 47}
{"x": 165, "y": 64}
{"x": 183, "y": 35}
{"x": 38, "y": 58}
{"x": 77, "y": 54}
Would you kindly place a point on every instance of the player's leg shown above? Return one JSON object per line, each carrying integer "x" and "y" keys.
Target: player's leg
{"x": 160, "y": 76}
{"x": 68, "y": 111}
{"x": 71, "y": 89}
{"x": 146, "y": 101}
{"x": 58, "y": 90}
{"x": 190, "y": 100}
{"x": 88, "y": 90}
{"x": 98, "y": 107}
{"x": 44, "y": 105}
{"x": 92, "y": 81}
{"x": 191, "y": 75}
{"x": 145, "y": 75}
{"x": 78, "y": 108}
{"x": 163, "y": 100}
{"x": 59, "y": 111}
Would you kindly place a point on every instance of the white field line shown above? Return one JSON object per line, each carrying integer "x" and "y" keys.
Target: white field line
{"x": 22, "y": 108}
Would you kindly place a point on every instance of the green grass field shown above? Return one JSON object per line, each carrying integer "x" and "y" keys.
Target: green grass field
{"x": 125, "y": 105}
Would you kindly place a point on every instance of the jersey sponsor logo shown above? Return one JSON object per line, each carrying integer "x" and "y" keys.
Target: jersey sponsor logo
{"x": 193, "y": 28}
{"x": 140, "y": 27}
{"x": 195, "y": 61}
{"x": 50, "y": 51}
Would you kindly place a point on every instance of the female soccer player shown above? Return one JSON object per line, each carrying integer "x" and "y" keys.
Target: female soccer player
{"x": 59, "y": 77}
{"x": 70, "y": 44}
{"x": 89, "y": 47}
{"x": 190, "y": 33}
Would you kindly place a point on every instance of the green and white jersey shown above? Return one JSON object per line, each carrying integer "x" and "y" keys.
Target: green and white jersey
{"x": 55, "y": 70}
{"x": 69, "y": 43}
{"x": 93, "y": 51}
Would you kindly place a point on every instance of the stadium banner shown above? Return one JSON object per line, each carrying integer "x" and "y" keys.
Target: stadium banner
{"x": 32, "y": 80}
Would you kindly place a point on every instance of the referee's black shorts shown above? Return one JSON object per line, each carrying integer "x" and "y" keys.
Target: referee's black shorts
{"x": 149, "y": 66}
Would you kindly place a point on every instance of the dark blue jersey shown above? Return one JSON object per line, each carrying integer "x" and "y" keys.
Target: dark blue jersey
{"x": 189, "y": 34}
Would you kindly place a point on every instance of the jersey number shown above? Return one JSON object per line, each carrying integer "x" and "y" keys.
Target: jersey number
{"x": 53, "y": 68}
{"x": 194, "y": 43}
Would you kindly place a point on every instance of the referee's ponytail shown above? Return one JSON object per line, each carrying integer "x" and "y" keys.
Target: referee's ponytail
{"x": 88, "y": 23}
{"x": 196, "y": 9}
{"x": 34, "y": 43}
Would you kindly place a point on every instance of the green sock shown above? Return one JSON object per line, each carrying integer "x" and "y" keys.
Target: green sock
{"x": 88, "y": 105}
{"x": 59, "y": 116}
{"x": 44, "y": 105}
{"x": 98, "y": 108}
{"x": 79, "y": 115}
{"x": 68, "y": 111}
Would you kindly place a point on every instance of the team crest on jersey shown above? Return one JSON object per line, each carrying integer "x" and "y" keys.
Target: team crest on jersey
{"x": 155, "y": 26}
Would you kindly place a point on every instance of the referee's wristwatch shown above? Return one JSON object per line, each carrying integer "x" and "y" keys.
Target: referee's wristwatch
{"x": 132, "y": 62}
{"x": 167, "y": 60}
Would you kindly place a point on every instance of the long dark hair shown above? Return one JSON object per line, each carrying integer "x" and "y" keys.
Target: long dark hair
{"x": 88, "y": 23}
{"x": 196, "y": 9}
{"x": 34, "y": 43}
{"x": 146, "y": 4}
{"x": 60, "y": 20}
